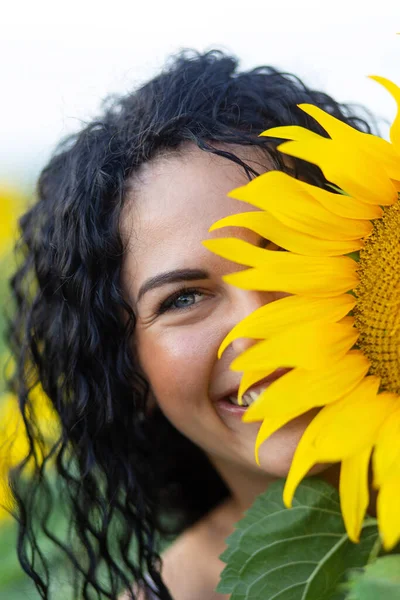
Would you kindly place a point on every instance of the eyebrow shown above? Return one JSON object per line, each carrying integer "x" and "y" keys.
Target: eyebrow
{"x": 171, "y": 277}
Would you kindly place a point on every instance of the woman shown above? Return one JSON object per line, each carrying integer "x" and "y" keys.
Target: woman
{"x": 124, "y": 324}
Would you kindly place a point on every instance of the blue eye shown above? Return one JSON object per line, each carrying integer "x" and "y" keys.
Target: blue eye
{"x": 180, "y": 300}
{"x": 184, "y": 300}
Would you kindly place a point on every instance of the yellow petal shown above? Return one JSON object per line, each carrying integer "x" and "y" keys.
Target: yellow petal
{"x": 266, "y": 225}
{"x": 377, "y": 148}
{"x": 346, "y": 166}
{"x": 268, "y": 427}
{"x": 298, "y": 471}
{"x": 343, "y": 205}
{"x": 354, "y": 491}
{"x": 384, "y": 153}
{"x": 386, "y": 458}
{"x": 332, "y": 385}
{"x": 351, "y": 424}
{"x": 291, "y": 132}
{"x": 339, "y": 204}
{"x": 388, "y": 154}
{"x": 268, "y": 189}
{"x": 250, "y": 378}
{"x": 394, "y": 90}
{"x": 286, "y": 272}
{"x": 335, "y": 128}
{"x": 341, "y": 430}
{"x": 244, "y": 253}
{"x": 292, "y": 203}
{"x": 240, "y": 251}
{"x": 270, "y": 319}
{"x": 300, "y": 390}
{"x": 321, "y": 284}
{"x": 338, "y": 130}
{"x": 388, "y": 512}
{"x": 343, "y": 160}
{"x": 308, "y": 345}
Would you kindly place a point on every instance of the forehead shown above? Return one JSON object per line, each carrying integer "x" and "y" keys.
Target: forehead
{"x": 172, "y": 203}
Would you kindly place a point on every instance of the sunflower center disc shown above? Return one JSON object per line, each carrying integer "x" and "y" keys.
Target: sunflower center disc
{"x": 377, "y": 313}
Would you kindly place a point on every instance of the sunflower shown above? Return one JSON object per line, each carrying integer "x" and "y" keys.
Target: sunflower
{"x": 338, "y": 330}
{"x": 11, "y": 206}
{"x": 14, "y": 445}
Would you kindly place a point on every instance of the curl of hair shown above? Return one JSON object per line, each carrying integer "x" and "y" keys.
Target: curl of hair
{"x": 68, "y": 332}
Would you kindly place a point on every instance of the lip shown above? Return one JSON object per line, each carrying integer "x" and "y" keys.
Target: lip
{"x": 225, "y": 407}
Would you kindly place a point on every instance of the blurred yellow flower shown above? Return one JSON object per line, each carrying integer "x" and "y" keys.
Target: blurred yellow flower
{"x": 14, "y": 444}
{"x": 339, "y": 330}
{"x": 11, "y": 205}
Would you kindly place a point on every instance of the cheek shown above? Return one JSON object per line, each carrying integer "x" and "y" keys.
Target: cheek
{"x": 178, "y": 364}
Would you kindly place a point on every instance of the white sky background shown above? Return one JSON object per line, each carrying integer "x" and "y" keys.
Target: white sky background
{"x": 59, "y": 59}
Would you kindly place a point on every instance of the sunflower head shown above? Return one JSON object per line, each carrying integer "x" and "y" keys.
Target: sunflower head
{"x": 339, "y": 328}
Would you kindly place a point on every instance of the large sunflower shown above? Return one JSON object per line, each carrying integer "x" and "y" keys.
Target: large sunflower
{"x": 339, "y": 329}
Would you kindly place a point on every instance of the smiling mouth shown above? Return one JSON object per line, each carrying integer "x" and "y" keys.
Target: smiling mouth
{"x": 256, "y": 390}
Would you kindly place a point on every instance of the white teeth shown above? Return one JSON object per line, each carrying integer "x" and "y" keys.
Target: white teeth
{"x": 234, "y": 400}
{"x": 248, "y": 398}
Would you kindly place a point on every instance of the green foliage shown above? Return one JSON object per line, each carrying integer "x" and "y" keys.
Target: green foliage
{"x": 380, "y": 579}
{"x": 14, "y": 583}
{"x": 301, "y": 553}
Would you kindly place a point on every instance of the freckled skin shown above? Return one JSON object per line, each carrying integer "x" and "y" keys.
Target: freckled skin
{"x": 172, "y": 204}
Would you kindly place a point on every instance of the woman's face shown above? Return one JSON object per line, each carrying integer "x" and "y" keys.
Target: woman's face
{"x": 184, "y": 309}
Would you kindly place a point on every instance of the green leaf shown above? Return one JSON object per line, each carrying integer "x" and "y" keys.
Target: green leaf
{"x": 380, "y": 579}
{"x": 301, "y": 553}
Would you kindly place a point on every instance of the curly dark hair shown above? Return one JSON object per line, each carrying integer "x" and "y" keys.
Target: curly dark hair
{"x": 73, "y": 328}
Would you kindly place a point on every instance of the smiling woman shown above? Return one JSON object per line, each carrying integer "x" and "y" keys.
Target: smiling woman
{"x": 124, "y": 328}
{"x": 184, "y": 309}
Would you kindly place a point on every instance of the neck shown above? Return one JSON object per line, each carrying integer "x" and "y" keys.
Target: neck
{"x": 246, "y": 484}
